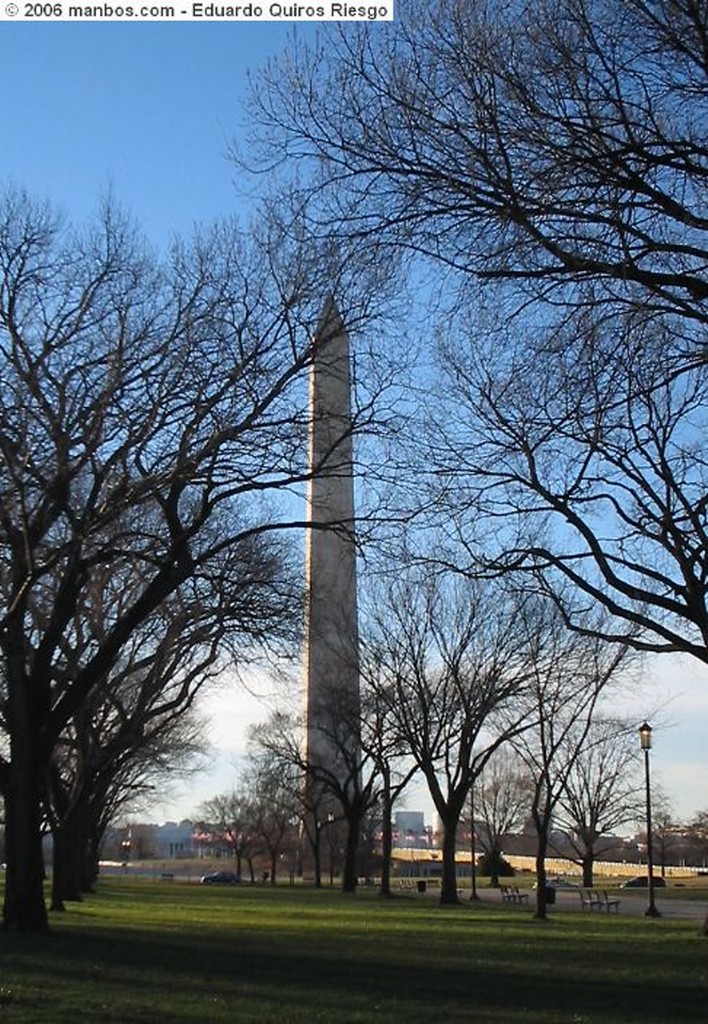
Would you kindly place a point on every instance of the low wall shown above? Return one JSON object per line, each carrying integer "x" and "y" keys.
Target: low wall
{"x": 426, "y": 862}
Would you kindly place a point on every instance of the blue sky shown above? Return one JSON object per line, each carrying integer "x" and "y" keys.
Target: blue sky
{"x": 148, "y": 111}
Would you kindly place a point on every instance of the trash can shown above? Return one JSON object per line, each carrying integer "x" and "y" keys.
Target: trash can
{"x": 421, "y": 885}
{"x": 550, "y": 895}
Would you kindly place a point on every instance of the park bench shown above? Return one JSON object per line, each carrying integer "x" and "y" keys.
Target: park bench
{"x": 511, "y": 894}
{"x": 592, "y": 899}
{"x": 589, "y": 899}
{"x": 413, "y": 884}
{"x": 609, "y": 903}
{"x": 167, "y": 876}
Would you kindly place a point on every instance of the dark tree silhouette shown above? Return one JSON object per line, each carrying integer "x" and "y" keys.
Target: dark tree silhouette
{"x": 558, "y": 150}
{"x": 147, "y": 412}
{"x": 455, "y": 668}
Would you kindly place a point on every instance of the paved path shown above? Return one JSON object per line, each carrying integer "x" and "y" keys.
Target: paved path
{"x": 634, "y": 903}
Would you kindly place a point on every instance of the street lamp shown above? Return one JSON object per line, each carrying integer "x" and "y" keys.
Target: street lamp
{"x": 473, "y": 850}
{"x": 645, "y": 741}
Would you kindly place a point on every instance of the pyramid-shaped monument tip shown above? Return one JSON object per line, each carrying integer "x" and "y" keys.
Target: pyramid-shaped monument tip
{"x": 331, "y": 324}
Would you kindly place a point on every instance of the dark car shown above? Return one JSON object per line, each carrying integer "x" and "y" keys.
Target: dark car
{"x": 642, "y": 882}
{"x": 559, "y": 883}
{"x": 220, "y": 878}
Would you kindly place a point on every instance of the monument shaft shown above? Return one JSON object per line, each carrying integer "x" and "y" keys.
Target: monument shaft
{"x": 331, "y": 644}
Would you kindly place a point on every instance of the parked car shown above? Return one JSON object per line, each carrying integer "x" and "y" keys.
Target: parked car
{"x": 642, "y": 882}
{"x": 559, "y": 883}
{"x": 220, "y": 878}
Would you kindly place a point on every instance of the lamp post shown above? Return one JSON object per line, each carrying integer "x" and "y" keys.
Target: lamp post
{"x": 473, "y": 850}
{"x": 645, "y": 741}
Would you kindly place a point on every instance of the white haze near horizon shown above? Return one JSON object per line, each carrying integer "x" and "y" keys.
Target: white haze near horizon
{"x": 671, "y": 691}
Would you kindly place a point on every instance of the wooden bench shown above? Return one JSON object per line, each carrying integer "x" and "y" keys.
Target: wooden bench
{"x": 167, "y": 876}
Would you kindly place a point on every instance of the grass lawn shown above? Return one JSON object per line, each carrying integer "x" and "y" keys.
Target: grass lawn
{"x": 149, "y": 951}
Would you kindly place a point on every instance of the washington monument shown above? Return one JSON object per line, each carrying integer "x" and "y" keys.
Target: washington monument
{"x": 331, "y": 638}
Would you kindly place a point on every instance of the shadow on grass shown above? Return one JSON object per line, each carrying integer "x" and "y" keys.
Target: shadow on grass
{"x": 303, "y": 959}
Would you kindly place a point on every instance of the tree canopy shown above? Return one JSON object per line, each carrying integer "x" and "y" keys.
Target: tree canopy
{"x": 151, "y": 412}
{"x": 548, "y": 159}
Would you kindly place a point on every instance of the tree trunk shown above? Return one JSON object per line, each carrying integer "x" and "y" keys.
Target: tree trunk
{"x": 494, "y": 864}
{"x": 448, "y": 887}
{"x": 351, "y": 853}
{"x": 24, "y": 908}
{"x": 72, "y": 858}
{"x": 588, "y": 869}
{"x": 541, "y": 878}
{"x": 314, "y": 839}
{"x": 67, "y": 866}
{"x": 386, "y": 845}
{"x": 91, "y": 858}
{"x": 317, "y": 864}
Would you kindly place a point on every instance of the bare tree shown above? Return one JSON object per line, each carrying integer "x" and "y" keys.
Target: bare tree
{"x": 594, "y": 478}
{"x": 147, "y": 412}
{"x": 385, "y": 746}
{"x": 221, "y": 618}
{"x": 569, "y": 674}
{"x": 501, "y": 805}
{"x": 456, "y": 670}
{"x": 589, "y": 169}
{"x": 229, "y": 818}
{"x": 601, "y": 791}
{"x": 697, "y": 831}
{"x": 665, "y": 829}
{"x": 556, "y": 147}
{"x": 347, "y": 786}
{"x": 278, "y": 742}
{"x": 341, "y": 790}
{"x": 97, "y": 775}
{"x": 275, "y": 804}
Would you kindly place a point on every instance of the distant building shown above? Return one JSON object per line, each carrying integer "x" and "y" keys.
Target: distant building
{"x": 173, "y": 839}
{"x": 409, "y": 830}
{"x": 410, "y": 820}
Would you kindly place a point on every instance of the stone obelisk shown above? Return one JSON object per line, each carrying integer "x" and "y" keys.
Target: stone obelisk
{"x": 331, "y": 638}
